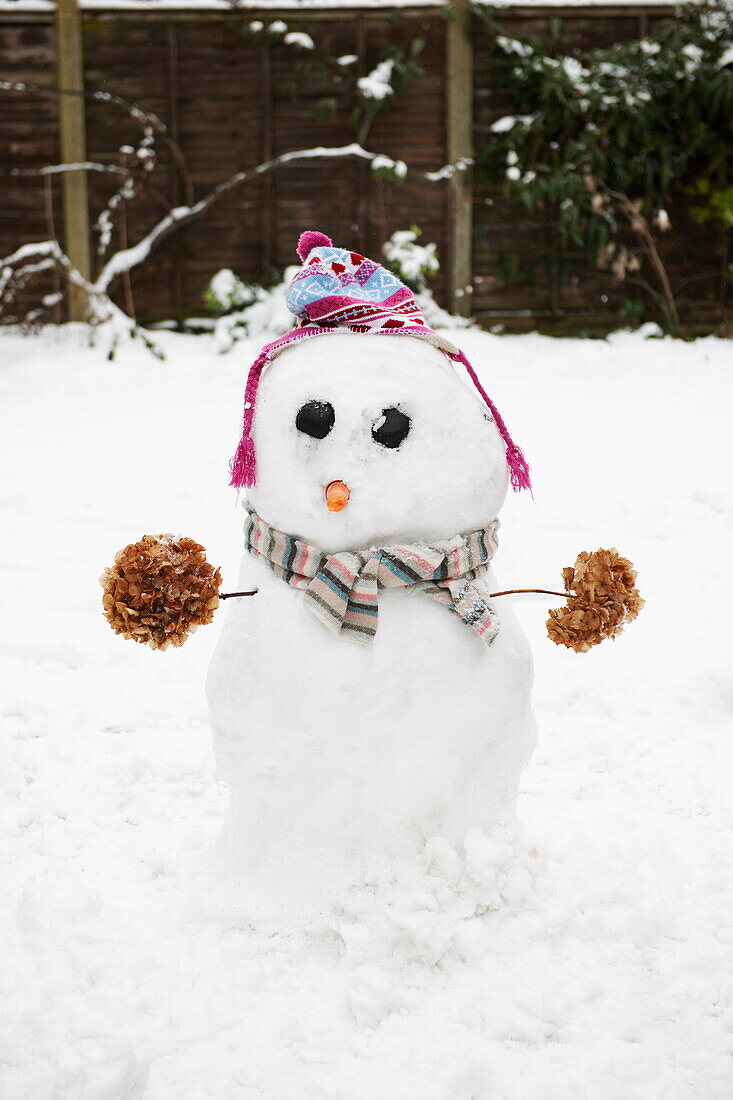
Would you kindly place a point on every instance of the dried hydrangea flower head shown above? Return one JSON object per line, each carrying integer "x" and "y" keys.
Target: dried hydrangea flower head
{"x": 159, "y": 590}
{"x": 602, "y": 597}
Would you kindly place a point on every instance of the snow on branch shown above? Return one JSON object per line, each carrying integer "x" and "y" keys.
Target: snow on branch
{"x": 27, "y": 260}
{"x": 182, "y": 215}
{"x": 59, "y": 169}
{"x": 378, "y": 83}
{"x": 448, "y": 171}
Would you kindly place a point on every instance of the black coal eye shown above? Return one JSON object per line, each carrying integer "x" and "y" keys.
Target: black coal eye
{"x": 391, "y": 428}
{"x": 315, "y": 418}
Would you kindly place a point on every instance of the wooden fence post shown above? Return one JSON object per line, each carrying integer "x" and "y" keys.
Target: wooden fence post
{"x": 72, "y": 126}
{"x": 459, "y": 118}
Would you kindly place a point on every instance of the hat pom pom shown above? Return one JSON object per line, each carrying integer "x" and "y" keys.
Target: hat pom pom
{"x": 309, "y": 240}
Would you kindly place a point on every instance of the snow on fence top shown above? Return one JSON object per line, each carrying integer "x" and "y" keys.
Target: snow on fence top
{"x": 218, "y": 5}
{"x": 313, "y": 5}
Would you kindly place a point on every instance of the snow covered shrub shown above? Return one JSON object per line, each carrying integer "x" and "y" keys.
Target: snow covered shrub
{"x": 343, "y": 90}
{"x": 385, "y": 168}
{"x": 414, "y": 263}
{"x": 227, "y": 292}
{"x": 391, "y": 74}
{"x": 604, "y": 143}
{"x": 246, "y": 309}
{"x": 277, "y": 31}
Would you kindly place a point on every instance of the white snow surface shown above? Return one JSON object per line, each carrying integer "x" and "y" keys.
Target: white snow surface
{"x": 587, "y": 956}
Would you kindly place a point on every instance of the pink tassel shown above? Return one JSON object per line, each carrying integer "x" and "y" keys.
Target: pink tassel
{"x": 518, "y": 465}
{"x": 518, "y": 468}
{"x": 243, "y": 464}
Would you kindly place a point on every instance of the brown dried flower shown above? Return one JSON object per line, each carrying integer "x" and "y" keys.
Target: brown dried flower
{"x": 602, "y": 597}
{"x": 159, "y": 590}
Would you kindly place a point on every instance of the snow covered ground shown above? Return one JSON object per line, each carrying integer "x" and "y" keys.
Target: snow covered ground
{"x": 606, "y": 970}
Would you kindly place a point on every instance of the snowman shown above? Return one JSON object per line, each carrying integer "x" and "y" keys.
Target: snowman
{"x": 369, "y": 696}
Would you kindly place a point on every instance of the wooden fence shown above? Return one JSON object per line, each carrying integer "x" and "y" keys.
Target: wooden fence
{"x": 231, "y": 103}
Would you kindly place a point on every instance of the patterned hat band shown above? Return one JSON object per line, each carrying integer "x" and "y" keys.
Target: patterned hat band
{"x": 341, "y": 291}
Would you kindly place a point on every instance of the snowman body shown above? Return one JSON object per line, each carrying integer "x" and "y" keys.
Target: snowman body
{"x": 342, "y": 760}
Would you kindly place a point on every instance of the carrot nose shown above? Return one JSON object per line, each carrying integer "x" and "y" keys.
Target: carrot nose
{"x": 337, "y": 496}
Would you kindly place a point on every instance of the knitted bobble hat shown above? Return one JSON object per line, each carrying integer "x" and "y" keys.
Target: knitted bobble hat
{"x": 341, "y": 291}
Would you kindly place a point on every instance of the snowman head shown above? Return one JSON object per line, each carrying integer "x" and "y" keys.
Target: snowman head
{"x": 407, "y": 449}
{"x": 414, "y": 451}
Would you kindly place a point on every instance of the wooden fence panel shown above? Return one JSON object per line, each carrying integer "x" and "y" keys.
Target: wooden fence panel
{"x": 230, "y": 103}
{"x": 220, "y": 133}
{"x": 413, "y": 130}
{"x": 30, "y": 206}
{"x": 233, "y": 104}
{"x": 130, "y": 59}
{"x": 322, "y": 194}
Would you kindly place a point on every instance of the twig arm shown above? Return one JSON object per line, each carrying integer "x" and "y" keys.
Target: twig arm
{"x": 506, "y": 592}
{"x": 518, "y": 591}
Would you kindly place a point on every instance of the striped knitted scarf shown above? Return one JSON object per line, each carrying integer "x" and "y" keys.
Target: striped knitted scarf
{"x": 342, "y": 589}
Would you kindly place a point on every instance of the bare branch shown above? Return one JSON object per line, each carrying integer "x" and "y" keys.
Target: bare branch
{"x": 53, "y": 300}
{"x": 133, "y": 109}
{"x": 139, "y": 114}
{"x": 640, "y": 226}
{"x": 42, "y": 255}
{"x": 647, "y": 287}
{"x": 182, "y": 215}
{"x": 27, "y": 253}
{"x": 701, "y": 277}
